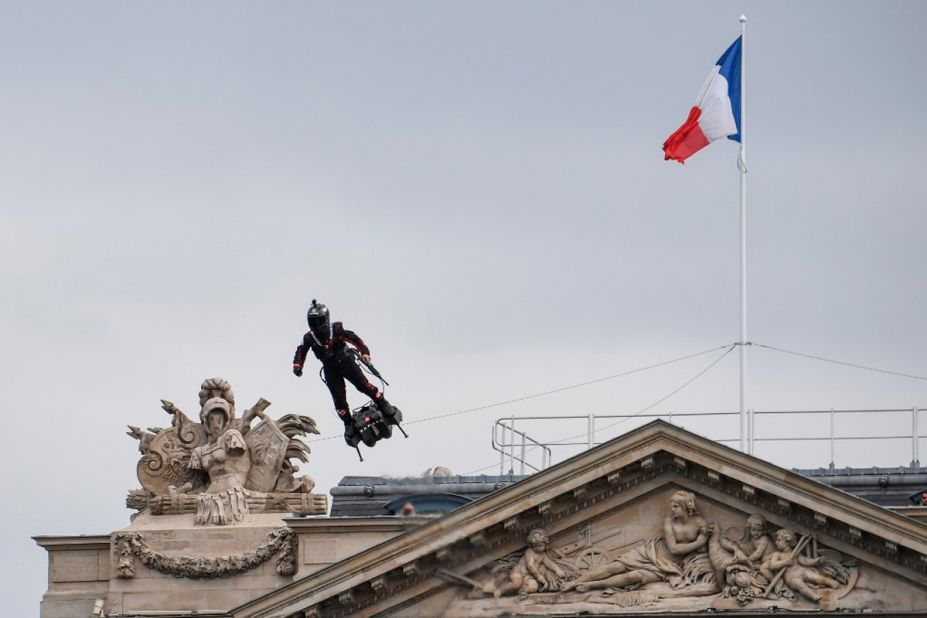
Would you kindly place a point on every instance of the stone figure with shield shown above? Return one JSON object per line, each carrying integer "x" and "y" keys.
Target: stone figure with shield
{"x": 221, "y": 468}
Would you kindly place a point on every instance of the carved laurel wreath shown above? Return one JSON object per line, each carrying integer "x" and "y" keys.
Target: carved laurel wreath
{"x": 131, "y": 545}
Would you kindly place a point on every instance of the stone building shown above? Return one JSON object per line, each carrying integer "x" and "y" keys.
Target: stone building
{"x": 658, "y": 520}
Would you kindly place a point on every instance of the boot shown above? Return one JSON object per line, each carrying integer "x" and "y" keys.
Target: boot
{"x": 390, "y": 413}
{"x": 385, "y": 408}
{"x": 350, "y": 431}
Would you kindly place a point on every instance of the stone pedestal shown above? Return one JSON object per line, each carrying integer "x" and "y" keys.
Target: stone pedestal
{"x": 165, "y": 563}
{"x": 85, "y": 569}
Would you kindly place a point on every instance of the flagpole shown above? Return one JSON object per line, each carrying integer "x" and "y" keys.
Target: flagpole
{"x": 742, "y": 164}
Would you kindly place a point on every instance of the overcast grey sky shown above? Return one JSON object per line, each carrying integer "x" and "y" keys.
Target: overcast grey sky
{"x": 477, "y": 189}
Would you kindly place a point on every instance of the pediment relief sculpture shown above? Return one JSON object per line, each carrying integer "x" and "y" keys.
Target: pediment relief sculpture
{"x": 698, "y": 561}
{"x": 221, "y": 469}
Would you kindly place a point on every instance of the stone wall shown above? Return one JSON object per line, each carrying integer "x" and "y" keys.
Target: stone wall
{"x": 84, "y": 569}
{"x": 78, "y": 574}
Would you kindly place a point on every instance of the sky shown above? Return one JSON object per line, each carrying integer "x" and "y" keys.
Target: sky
{"x": 478, "y": 190}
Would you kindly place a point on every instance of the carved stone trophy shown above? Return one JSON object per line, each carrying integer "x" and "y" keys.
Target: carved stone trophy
{"x": 221, "y": 469}
{"x": 223, "y": 472}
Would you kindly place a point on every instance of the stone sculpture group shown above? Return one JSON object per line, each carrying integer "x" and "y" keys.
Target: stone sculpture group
{"x": 692, "y": 556}
{"x": 221, "y": 468}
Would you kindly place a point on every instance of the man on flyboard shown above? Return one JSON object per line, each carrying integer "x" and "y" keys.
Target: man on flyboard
{"x": 334, "y": 345}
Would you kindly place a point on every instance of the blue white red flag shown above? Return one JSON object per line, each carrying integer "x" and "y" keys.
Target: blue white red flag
{"x": 717, "y": 110}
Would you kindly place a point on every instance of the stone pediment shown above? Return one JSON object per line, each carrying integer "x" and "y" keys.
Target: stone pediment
{"x": 657, "y": 520}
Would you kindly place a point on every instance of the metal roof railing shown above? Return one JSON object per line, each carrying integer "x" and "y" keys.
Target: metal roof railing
{"x": 516, "y": 447}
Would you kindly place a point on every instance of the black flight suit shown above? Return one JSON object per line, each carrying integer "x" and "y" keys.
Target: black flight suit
{"x": 338, "y": 365}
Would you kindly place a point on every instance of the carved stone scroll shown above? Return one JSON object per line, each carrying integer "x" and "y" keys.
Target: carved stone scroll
{"x": 166, "y": 463}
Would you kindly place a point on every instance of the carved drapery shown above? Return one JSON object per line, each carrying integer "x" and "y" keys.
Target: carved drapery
{"x": 222, "y": 509}
{"x": 131, "y": 545}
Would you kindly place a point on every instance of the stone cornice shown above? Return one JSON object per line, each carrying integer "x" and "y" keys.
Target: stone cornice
{"x": 347, "y": 525}
{"x": 72, "y": 543}
{"x": 917, "y": 513}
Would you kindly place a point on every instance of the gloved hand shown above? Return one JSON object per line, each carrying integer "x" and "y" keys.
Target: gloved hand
{"x": 297, "y": 371}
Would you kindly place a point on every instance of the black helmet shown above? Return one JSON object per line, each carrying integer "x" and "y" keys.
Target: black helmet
{"x": 319, "y": 320}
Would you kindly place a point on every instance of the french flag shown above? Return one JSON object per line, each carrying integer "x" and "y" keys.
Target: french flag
{"x": 716, "y": 113}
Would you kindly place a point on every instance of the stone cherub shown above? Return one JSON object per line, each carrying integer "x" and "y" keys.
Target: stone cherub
{"x": 799, "y": 572}
{"x": 539, "y": 569}
{"x": 735, "y": 560}
{"x": 754, "y": 546}
{"x": 750, "y": 567}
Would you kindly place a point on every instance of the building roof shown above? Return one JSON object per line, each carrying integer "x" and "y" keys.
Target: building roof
{"x": 887, "y": 487}
{"x": 369, "y": 496}
{"x": 628, "y": 477}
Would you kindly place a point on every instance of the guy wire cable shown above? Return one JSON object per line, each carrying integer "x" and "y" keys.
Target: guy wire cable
{"x": 730, "y": 348}
{"x": 566, "y": 388}
{"x": 836, "y": 362}
{"x": 659, "y": 401}
{"x": 558, "y": 390}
